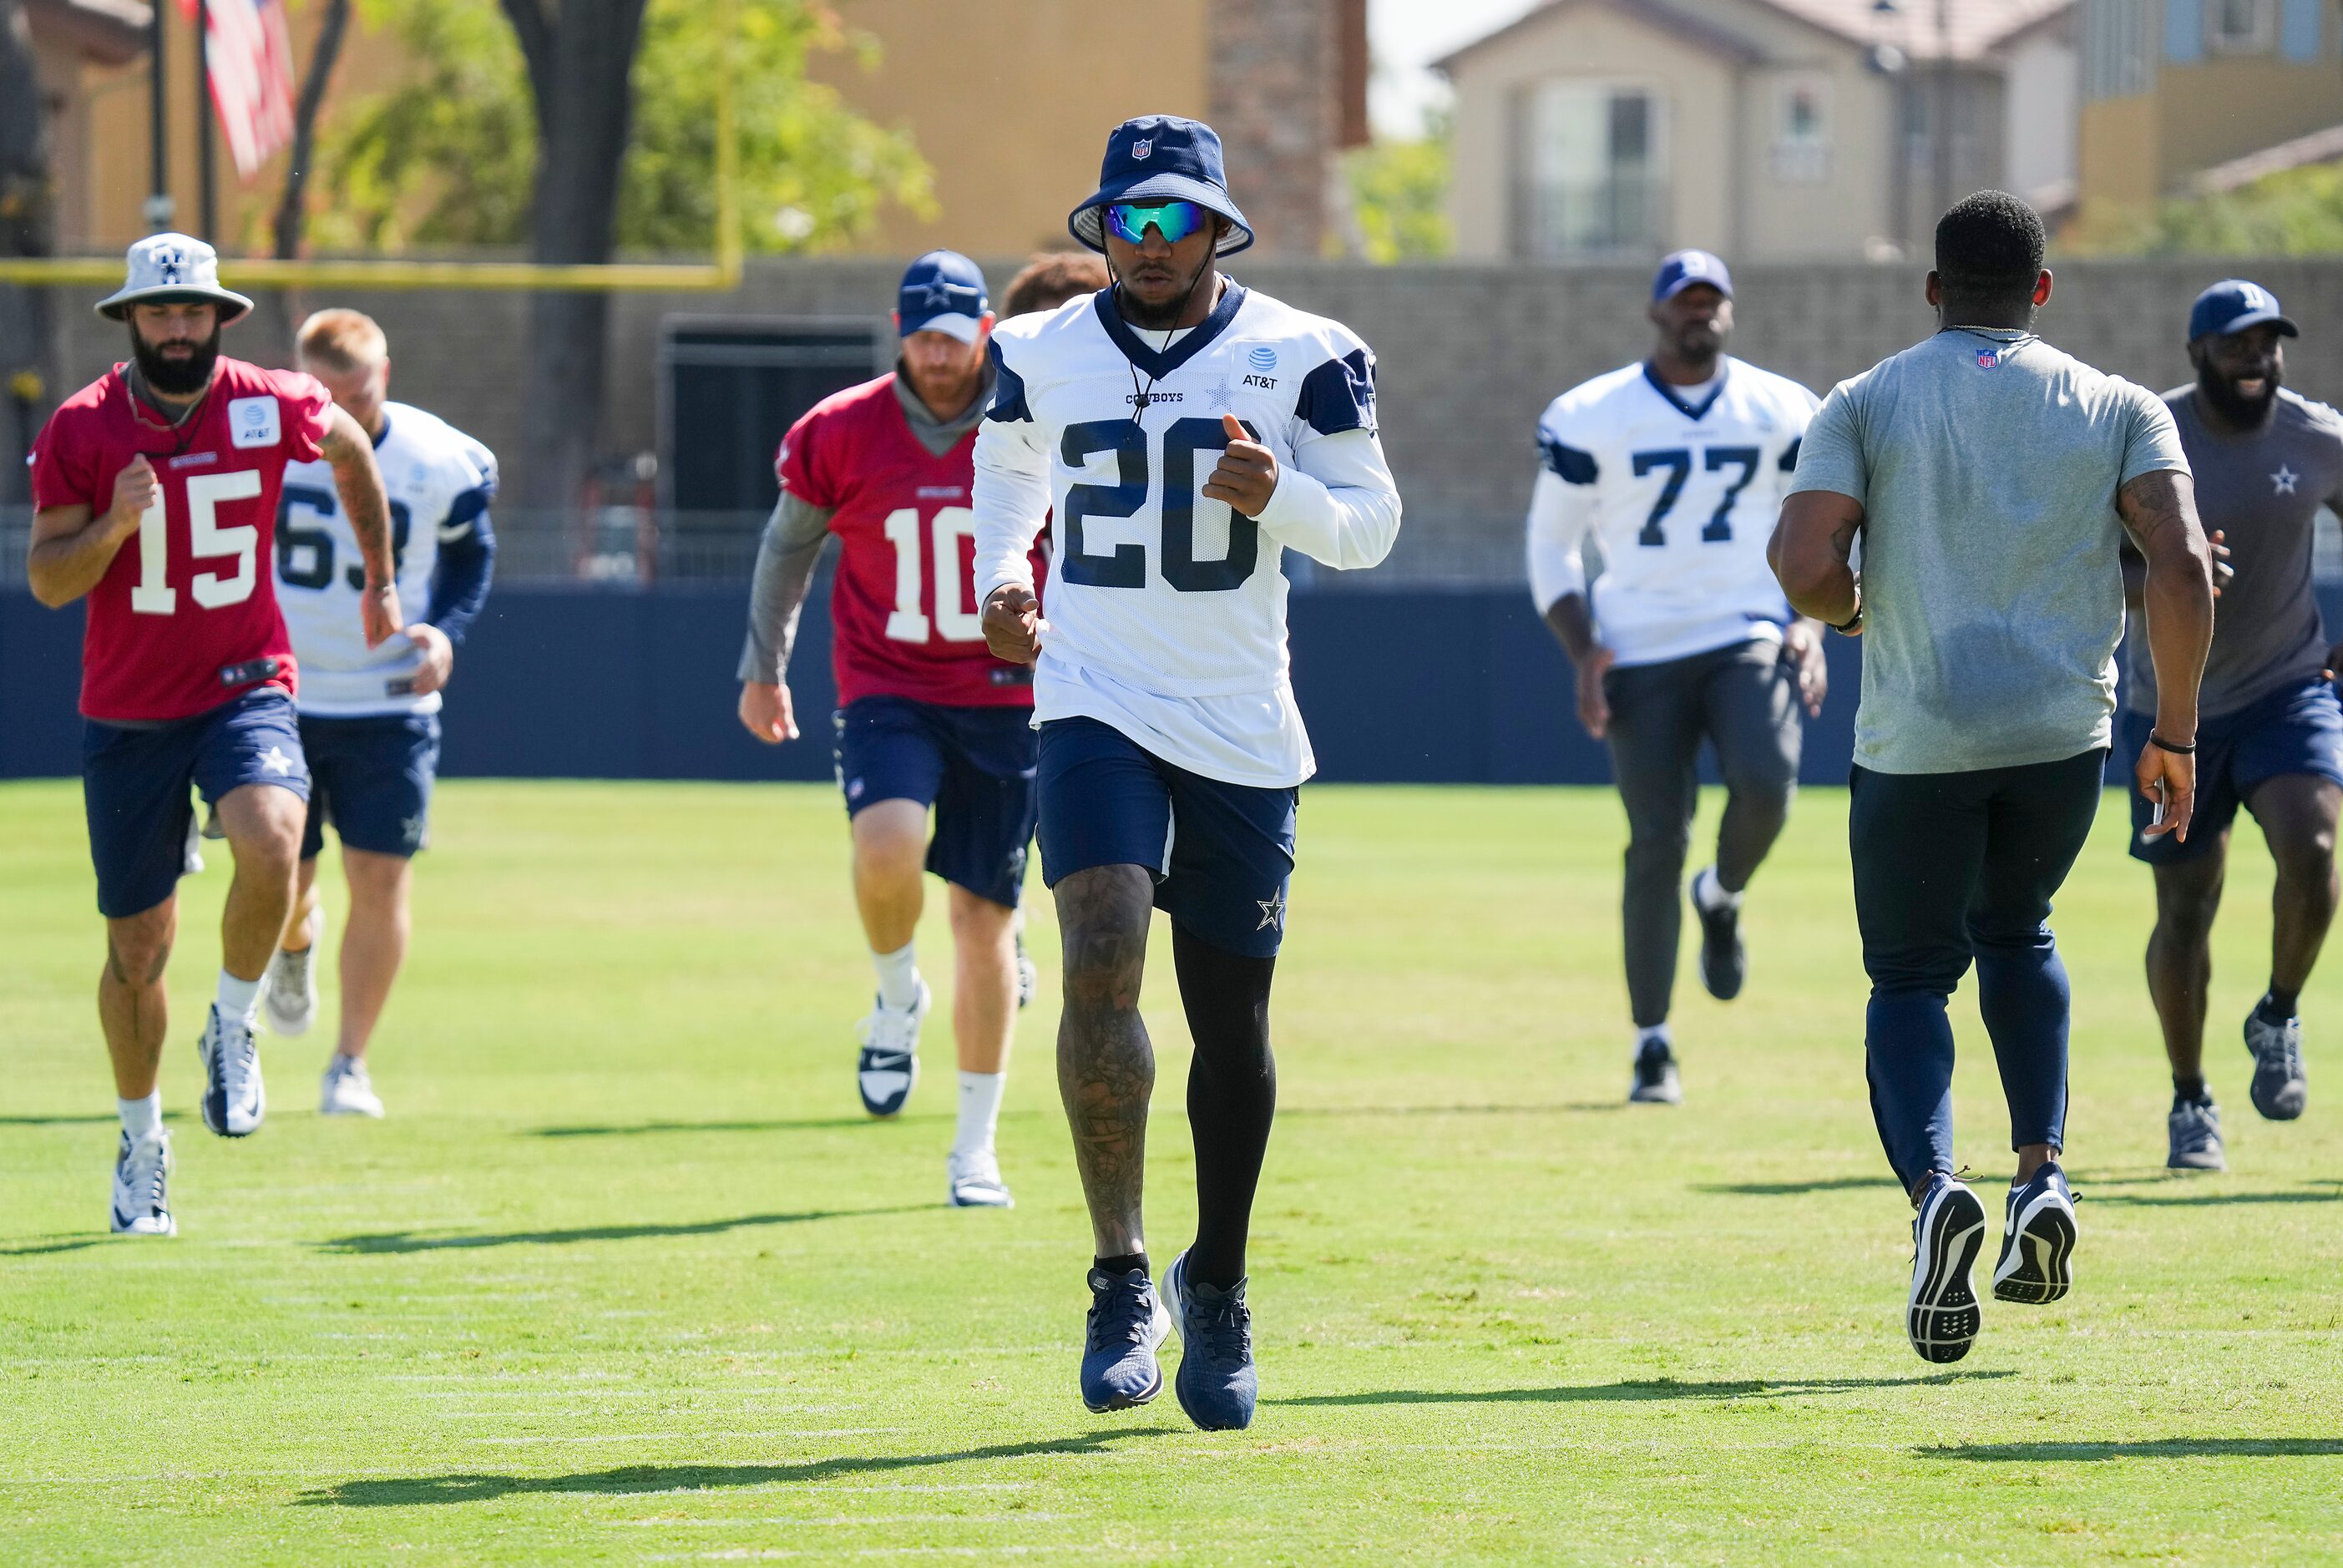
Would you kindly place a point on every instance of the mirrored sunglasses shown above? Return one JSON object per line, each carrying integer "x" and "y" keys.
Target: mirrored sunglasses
{"x": 1174, "y": 220}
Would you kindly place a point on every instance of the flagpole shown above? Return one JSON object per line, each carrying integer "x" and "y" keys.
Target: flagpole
{"x": 206, "y": 181}
{"x": 158, "y": 130}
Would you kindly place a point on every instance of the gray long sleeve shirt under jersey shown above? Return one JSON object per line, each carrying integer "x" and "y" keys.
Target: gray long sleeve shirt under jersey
{"x": 797, "y": 529}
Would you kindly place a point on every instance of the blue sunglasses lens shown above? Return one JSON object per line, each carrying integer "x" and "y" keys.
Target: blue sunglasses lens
{"x": 1175, "y": 220}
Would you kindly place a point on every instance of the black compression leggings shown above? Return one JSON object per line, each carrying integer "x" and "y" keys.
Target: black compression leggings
{"x": 1232, "y": 1096}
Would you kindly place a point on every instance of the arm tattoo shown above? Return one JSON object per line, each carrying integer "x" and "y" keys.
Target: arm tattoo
{"x": 363, "y": 502}
{"x": 1842, "y": 539}
{"x": 1106, "y": 1066}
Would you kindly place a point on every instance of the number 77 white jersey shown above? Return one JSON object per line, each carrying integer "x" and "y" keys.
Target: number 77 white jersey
{"x": 1680, "y": 499}
{"x": 1167, "y": 608}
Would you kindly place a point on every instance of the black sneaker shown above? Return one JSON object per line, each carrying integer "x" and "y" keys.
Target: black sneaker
{"x": 1656, "y": 1076}
{"x": 1127, "y": 1322}
{"x": 2038, "y": 1241}
{"x": 2194, "y": 1131}
{"x": 1942, "y": 1318}
{"x": 1217, "y": 1384}
{"x": 1723, "y": 961}
{"x": 2280, "y": 1091}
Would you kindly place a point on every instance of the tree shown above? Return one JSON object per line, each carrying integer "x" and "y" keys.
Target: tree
{"x": 582, "y": 127}
{"x": 1399, "y": 196}
{"x": 293, "y": 209}
{"x": 2296, "y": 212}
{"x": 27, "y": 228}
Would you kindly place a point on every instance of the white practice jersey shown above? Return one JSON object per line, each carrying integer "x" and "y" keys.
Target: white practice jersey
{"x": 1680, "y": 497}
{"x": 1166, "y": 610}
{"x": 439, "y": 481}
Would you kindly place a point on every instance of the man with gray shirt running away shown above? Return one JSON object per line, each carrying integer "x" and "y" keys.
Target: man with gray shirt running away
{"x": 2271, "y": 738}
{"x": 1991, "y": 478}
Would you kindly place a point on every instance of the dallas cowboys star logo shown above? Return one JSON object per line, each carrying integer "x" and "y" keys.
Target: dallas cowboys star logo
{"x": 273, "y": 760}
{"x": 411, "y": 830}
{"x": 937, "y": 295}
{"x": 2282, "y": 483}
{"x": 1273, "y": 913}
{"x": 1220, "y": 394}
{"x": 171, "y": 264}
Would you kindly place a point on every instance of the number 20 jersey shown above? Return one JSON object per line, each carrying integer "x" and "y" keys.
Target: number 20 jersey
{"x": 439, "y": 482}
{"x": 1166, "y": 609}
{"x": 1681, "y": 498}
{"x": 187, "y": 609}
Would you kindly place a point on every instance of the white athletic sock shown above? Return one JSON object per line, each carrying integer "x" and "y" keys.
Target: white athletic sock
{"x": 238, "y": 999}
{"x": 899, "y": 978}
{"x": 980, "y": 1111}
{"x": 142, "y": 1119}
{"x": 1658, "y": 1032}
{"x": 1710, "y": 894}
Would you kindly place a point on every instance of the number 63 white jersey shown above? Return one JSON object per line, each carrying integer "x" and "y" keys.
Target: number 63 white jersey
{"x": 1166, "y": 609}
{"x": 1680, "y": 497}
{"x": 439, "y": 482}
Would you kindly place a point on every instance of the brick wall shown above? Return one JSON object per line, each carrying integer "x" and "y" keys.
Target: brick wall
{"x": 1277, "y": 102}
{"x": 1469, "y": 354}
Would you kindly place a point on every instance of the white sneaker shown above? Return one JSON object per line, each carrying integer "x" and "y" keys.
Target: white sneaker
{"x": 288, "y": 991}
{"x": 142, "y": 1188}
{"x": 976, "y": 1181}
{"x": 347, "y": 1091}
{"x": 191, "y": 862}
{"x": 889, "y": 1068}
{"x": 234, "y": 1101}
{"x": 1028, "y": 976}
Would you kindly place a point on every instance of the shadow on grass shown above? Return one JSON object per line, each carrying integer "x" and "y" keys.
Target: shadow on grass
{"x": 409, "y": 1241}
{"x": 59, "y": 1120}
{"x": 467, "y": 1487}
{"x": 1655, "y": 1388}
{"x": 1793, "y": 1188}
{"x": 35, "y": 1249}
{"x": 2146, "y": 1448}
{"x": 2190, "y": 1196}
{"x": 816, "y": 1124}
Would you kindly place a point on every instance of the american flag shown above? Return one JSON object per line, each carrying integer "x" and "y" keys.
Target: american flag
{"x": 249, "y": 52}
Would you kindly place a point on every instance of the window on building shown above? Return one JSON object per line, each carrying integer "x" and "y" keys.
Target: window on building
{"x": 1802, "y": 141}
{"x": 1593, "y": 180}
{"x": 2240, "y": 26}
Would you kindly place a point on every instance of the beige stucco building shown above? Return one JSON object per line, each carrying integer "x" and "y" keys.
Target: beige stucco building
{"x": 1767, "y": 130}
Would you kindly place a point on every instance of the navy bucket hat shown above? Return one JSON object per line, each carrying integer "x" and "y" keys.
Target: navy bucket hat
{"x": 1160, "y": 158}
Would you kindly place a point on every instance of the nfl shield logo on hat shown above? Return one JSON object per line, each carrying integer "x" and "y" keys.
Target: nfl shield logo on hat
{"x": 1143, "y": 148}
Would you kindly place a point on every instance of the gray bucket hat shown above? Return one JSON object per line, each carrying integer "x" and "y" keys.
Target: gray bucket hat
{"x": 173, "y": 267}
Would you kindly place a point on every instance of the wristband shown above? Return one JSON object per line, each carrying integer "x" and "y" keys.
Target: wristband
{"x": 2161, "y": 744}
{"x": 1852, "y": 623}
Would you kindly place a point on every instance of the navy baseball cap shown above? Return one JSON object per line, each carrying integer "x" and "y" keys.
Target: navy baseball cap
{"x": 2232, "y": 306}
{"x": 1679, "y": 270}
{"x": 943, "y": 291}
{"x": 1158, "y": 158}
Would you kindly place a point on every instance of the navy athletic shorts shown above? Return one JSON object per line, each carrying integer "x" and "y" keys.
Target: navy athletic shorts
{"x": 1222, "y": 854}
{"x": 2294, "y": 729}
{"x": 373, "y": 781}
{"x": 973, "y": 765}
{"x": 135, "y": 781}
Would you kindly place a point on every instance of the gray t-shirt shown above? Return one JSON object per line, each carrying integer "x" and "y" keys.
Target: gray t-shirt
{"x": 1987, "y": 464}
{"x": 2263, "y": 490}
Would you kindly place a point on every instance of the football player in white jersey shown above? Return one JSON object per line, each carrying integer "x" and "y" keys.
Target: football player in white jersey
{"x": 370, "y": 717}
{"x": 1188, "y": 432}
{"x": 1675, "y": 467}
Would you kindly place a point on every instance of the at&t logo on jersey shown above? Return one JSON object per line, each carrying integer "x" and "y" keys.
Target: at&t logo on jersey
{"x": 252, "y": 422}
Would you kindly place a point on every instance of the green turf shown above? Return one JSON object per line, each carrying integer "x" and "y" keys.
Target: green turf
{"x": 625, "y": 1277}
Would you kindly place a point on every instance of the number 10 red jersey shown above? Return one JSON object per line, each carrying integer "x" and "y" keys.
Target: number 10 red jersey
{"x": 904, "y": 621}
{"x": 187, "y": 608}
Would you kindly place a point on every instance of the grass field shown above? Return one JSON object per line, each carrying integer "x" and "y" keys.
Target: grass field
{"x": 626, "y": 1277}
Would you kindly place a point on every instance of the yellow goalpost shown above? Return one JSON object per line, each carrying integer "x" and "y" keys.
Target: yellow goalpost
{"x": 261, "y": 271}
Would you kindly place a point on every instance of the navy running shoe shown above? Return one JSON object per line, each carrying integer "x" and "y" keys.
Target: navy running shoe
{"x": 1127, "y": 1322}
{"x": 2038, "y": 1241}
{"x": 2280, "y": 1090}
{"x": 1942, "y": 1320}
{"x": 1217, "y": 1384}
{"x": 1655, "y": 1082}
{"x": 1723, "y": 960}
{"x": 2194, "y": 1129}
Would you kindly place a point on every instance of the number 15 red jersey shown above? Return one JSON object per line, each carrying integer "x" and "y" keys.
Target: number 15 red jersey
{"x": 904, "y": 621}
{"x": 188, "y": 604}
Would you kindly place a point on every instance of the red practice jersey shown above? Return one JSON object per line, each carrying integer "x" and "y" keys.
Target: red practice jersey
{"x": 904, "y": 621}
{"x": 187, "y": 608}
